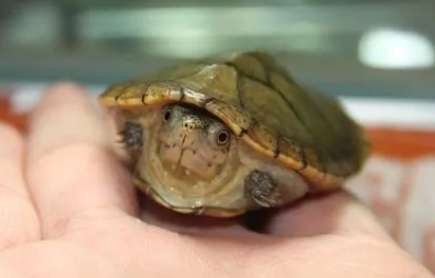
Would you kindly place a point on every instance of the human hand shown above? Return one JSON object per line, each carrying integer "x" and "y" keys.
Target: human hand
{"x": 68, "y": 210}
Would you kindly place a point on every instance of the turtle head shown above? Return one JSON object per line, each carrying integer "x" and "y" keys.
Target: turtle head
{"x": 193, "y": 145}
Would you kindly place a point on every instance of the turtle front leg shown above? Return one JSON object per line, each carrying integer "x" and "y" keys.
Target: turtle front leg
{"x": 131, "y": 135}
{"x": 261, "y": 188}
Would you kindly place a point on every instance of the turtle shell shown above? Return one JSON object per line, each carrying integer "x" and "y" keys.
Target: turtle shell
{"x": 307, "y": 132}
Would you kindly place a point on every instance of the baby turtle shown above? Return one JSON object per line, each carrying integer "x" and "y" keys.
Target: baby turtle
{"x": 228, "y": 135}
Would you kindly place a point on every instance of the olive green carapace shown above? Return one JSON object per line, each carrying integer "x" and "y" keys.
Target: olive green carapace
{"x": 265, "y": 108}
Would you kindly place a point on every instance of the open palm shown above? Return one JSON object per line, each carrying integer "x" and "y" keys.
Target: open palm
{"x": 67, "y": 210}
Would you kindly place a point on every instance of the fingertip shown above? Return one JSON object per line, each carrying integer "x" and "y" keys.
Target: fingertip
{"x": 63, "y": 89}
{"x": 65, "y": 115}
{"x": 60, "y": 95}
{"x": 70, "y": 166}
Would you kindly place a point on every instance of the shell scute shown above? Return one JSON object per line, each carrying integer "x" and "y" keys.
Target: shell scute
{"x": 250, "y": 66}
{"x": 237, "y": 119}
{"x": 290, "y": 148}
{"x": 268, "y": 108}
{"x": 215, "y": 81}
{"x": 265, "y": 137}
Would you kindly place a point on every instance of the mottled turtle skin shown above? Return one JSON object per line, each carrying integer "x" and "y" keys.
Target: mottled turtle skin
{"x": 301, "y": 142}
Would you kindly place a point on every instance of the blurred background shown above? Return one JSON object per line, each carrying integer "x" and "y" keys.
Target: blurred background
{"x": 381, "y": 48}
{"x": 377, "y": 56}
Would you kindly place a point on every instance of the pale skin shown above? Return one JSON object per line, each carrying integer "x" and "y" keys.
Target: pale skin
{"x": 67, "y": 209}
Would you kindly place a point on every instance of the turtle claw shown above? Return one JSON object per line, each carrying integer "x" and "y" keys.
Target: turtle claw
{"x": 262, "y": 189}
{"x": 131, "y": 135}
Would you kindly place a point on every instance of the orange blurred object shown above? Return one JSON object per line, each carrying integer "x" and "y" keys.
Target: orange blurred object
{"x": 394, "y": 143}
{"x": 402, "y": 144}
{"x": 9, "y": 116}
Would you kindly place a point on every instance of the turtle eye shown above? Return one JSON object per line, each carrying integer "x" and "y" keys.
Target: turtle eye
{"x": 219, "y": 135}
{"x": 167, "y": 113}
{"x": 222, "y": 137}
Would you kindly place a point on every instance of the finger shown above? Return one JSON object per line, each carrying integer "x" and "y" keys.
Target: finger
{"x": 70, "y": 168}
{"x": 158, "y": 215}
{"x": 331, "y": 213}
{"x": 148, "y": 250}
{"x": 18, "y": 219}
